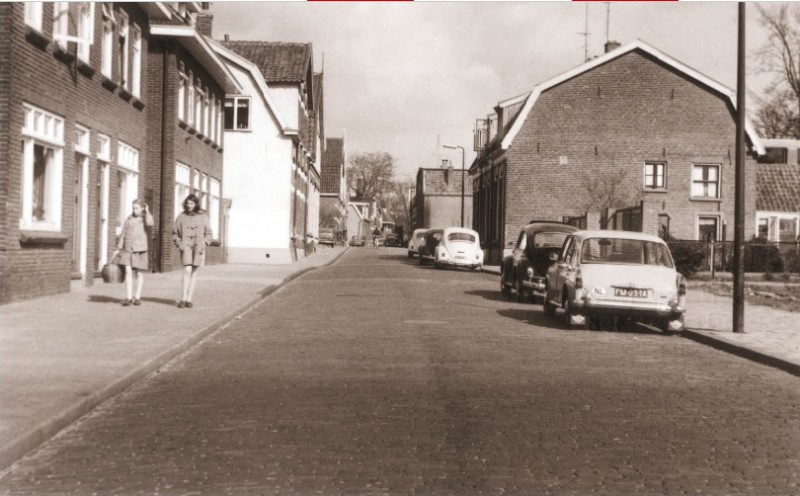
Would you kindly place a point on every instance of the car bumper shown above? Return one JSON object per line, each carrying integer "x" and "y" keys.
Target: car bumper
{"x": 627, "y": 310}
{"x": 458, "y": 263}
{"x": 536, "y": 285}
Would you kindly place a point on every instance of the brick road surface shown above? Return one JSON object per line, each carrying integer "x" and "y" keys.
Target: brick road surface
{"x": 378, "y": 376}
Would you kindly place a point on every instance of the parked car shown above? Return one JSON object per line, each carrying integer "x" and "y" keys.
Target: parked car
{"x": 620, "y": 274}
{"x": 417, "y": 239}
{"x": 459, "y": 247}
{"x": 523, "y": 273}
{"x": 327, "y": 236}
{"x": 357, "y": 241}
{"x": 427, "y": 250}
{"x": 391, "y": 239}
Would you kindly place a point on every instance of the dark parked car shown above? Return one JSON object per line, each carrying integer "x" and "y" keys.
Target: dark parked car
{"x": 522, "y": 274}
{"x": 391, "y": 239}
{"x": 327, "y": 236}
{"x": 357, "y": 241}
{"x": 427, "y": 252}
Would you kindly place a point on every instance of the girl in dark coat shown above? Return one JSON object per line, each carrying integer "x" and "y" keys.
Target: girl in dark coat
{"x": 192, "y": 234}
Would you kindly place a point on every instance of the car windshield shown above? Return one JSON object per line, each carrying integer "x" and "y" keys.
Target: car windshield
{"x": 461, "y": 236}
{"x": 625, "y": 251}
{"x": 549, "y": 239}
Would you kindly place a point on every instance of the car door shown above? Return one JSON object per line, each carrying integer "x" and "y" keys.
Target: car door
{"x": 562, "y": 269}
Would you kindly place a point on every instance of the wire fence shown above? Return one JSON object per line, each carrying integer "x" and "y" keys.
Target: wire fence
{"x": 717, "y": 256}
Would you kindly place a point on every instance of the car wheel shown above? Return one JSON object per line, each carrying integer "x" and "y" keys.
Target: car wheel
{"x": 548, "y": 308}
{"x": 568, "y": 310}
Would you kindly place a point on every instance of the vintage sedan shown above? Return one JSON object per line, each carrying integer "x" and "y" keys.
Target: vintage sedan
{"x": 427, "y": 250}
{"x": 617, "y": 274}
{"x": 460, "y": 247}
{"x": 522, "y": 274}
{"x": 417, "y": 239}
{"x": 357, "y": 241}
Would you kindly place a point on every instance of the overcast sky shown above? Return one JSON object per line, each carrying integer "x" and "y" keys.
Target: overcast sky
{"x": 397, "y": 75}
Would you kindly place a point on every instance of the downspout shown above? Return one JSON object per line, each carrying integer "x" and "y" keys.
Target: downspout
{"x": 164, "y": 113}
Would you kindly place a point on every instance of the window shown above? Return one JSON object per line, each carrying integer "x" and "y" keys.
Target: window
{"x": 705, "y": 181}
{"x": 128, "y": 181}
{"x": 33, "y": 15}
{"x": 190, "y": 101}
{"x": 122, "y": 48}
{"x": 85, "y": 30}
{"x": 206, "y": 109}
{"x": 136, "y": 74}
{"x": 61, "y": 23}
{"x": 182, "y": 186}
{"x": 103, "y": 161}
{"x": 237, "y": 113}
{"x": 707, "y": 228}
{"x": 198, "y": 107}
{"x": 213, "y": 206}
{"x": 204, "y": 192}
{"x": 219, "y": 123}
{"x": 778, "y": 226}
{"x": 108, "y": 39}
{"x": 654, "y": 175}
{"x": 42, "y": 169}
{"x": 183, "y": 82}
{"x": 212, "y": 121}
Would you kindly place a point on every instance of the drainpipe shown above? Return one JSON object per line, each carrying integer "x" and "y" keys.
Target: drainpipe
{"x": 164, "y": 113}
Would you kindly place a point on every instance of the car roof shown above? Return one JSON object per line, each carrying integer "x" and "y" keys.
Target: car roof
{"x": 549, "y": 226}
{"x": 617, "y": 235}
{"x": 460, "y": 229}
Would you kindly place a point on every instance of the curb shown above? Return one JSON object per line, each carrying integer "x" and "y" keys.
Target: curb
{"x": 749, "y": 354}
{"x": 25, "y": 443}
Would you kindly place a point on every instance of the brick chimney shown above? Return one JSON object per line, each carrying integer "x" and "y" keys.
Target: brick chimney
{"x": 612, "y": 45}
{"x": 204, "y": 21}
{"x": 501, "y": 122}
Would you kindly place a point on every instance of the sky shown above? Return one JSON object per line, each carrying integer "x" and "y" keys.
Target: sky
{"x": 404, "y": 77}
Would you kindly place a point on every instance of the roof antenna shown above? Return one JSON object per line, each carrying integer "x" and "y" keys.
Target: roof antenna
{"x": 608, "y": 17}
{"x": 585, "y": 34}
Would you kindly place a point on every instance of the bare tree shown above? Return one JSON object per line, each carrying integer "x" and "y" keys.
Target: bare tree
{"x": 779, "y": 108}
{"x": 329, "y": 216}
{"x": 609, "y": 189}
{"x": 396, "y": 200}
{"x": 370, "y": 174}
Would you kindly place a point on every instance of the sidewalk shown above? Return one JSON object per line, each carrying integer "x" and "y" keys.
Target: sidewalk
{"x": 771, "y": 337}
{"x": 62, "y": 355}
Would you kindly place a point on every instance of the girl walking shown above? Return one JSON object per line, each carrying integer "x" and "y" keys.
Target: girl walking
{"x": 132, "y": 250}
{"x": 192, "y": 234}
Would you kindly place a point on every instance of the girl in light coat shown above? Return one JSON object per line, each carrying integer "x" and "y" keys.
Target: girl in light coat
{"x": 192, "y": 234}
{"x": 132, "y": 250}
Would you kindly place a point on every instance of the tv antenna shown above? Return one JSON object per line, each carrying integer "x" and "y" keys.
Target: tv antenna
{"x": 585, "y": 33}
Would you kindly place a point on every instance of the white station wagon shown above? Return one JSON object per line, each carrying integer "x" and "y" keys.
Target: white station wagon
{"x": 619, "y": 274}
{"x": 459, "y": 247}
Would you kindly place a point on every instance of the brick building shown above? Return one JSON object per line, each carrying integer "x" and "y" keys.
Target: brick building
{"x": 333, "y": 193}
{"x": 437, "y": 199}
{"x": 81, "y": 133}
{"x": 633, "y": 138}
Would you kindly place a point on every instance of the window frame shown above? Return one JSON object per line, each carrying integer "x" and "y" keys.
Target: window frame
{"x": 124, "y": 47}
{"x": 85, "y": 31}
{"x": 183, "y": 186}
{"x": 46, "y": 130}
{"x": 107, "y": 59}
{"x": 654, "y": 176}
{"x": 706, "y": 167}
{"x": 215, "y": 201}
{"x": 33, "y": 14}
{"x": 127, "y": 163}
{"x": 235, "y": 116}
{"x": 136, "y": 55}
{"x": 61, "y": 24}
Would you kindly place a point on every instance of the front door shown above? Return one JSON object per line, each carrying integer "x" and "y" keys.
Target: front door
{"x": 79, "y": 218}
{"x": 707, "y": 228}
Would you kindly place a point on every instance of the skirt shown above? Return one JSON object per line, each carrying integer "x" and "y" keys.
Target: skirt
{"x": 137, "y": 260}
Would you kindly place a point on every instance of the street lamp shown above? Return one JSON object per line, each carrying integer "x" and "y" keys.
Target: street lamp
{"x": 454, "y": 147}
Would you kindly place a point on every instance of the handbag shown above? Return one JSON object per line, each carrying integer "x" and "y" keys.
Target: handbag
{"x": 112, "y": 272}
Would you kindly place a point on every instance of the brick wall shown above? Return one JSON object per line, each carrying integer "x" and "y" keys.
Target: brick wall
{"x": 34, "y": 73}
{"x": 605, "y": 124}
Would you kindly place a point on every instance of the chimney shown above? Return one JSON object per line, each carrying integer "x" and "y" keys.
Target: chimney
{"x": 204, "y": 21}
{"x": 446, "y": 163}
{"x": 227, "y": 37}
{"x": 500, "y": 122}
{"x": 612, "y": 45}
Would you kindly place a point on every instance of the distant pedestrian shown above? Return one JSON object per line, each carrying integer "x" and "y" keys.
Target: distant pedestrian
{"x": 192, "y": 234}
{"x": 376, "y": 234}
{"x": 132, "y": 250}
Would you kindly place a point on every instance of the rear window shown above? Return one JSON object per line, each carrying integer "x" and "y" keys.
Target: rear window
{"x": 461, "y": 236}
{"x": 625, "y": 251}
{"x": 549, "y": 239}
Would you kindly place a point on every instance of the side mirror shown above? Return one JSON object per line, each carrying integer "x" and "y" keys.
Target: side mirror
{"x": 553, "y": 257}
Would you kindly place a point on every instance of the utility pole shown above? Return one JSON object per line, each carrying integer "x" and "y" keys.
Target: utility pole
{"x": 738, "y": 234}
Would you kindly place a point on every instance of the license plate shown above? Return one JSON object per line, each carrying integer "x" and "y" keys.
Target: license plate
{"x": 460, "y": 257}
{"x": 631, "y": 292}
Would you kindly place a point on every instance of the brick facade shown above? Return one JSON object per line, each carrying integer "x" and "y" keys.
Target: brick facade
{"x": 603, "y": 125}
{"x": 34, "y": 71}
{"x": 437, "y": 202}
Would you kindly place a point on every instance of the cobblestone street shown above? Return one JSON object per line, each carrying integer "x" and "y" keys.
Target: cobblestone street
{"x": 378, "y": 376}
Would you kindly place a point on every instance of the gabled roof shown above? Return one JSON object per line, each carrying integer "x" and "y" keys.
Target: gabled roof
{"x": 332, "y": 163}
{"x": 778, "y": 188}
{"x": 611, "y": 55}
{"x": 278, "y": 62}
{"x": 258, "y": 78}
